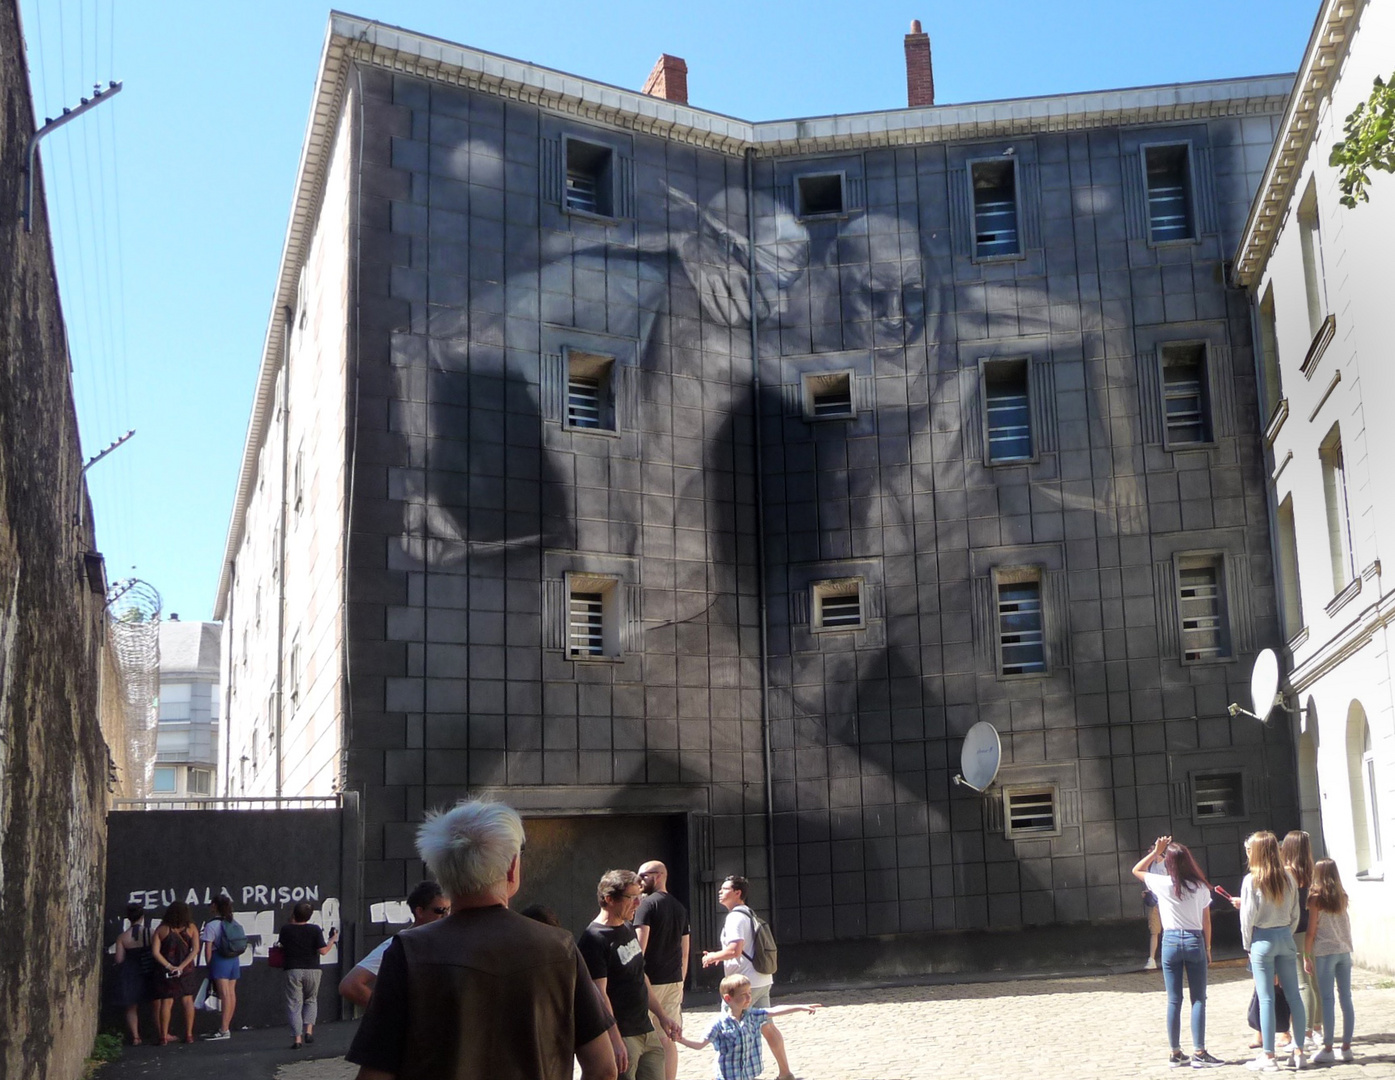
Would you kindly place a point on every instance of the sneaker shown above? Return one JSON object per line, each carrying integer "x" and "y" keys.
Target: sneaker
{"x": 1150, "y": 965}
{"x": 218, "y": 1035}
{"x": 1300, "y": 1059}
{"x": 1202, "y": 1060}
{"x": 1324, "y": 1056}
{"x": 1347, "y": 1055}
{"x": 1177, "y": 1059}
{"x": 1263, "y": 1063}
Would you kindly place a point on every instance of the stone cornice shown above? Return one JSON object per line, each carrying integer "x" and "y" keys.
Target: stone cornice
{"x": 1327, "y": 48}
{"x": 1345, "y": 644}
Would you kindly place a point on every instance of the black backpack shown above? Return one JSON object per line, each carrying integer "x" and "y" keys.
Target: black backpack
{"x": 765, "y": 958}
{"x": 233, "y": 941}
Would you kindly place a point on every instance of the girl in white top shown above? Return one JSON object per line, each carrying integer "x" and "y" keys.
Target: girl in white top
{"x": 1269, "y": 911}
{"x": 1328, "y": 954}
{"x": 1184, "y": 905}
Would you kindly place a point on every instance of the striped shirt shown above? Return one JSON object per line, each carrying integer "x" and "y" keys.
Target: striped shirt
{"x": 737, "y": 1043}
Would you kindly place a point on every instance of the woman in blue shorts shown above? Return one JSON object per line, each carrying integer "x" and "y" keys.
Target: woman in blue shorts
{"x": 223, "y": 971}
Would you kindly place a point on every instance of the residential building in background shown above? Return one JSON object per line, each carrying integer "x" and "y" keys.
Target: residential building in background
{"x": 188, "y": 741}
{"x": 1319, "y": 280}
{"x": 702, "y": 482}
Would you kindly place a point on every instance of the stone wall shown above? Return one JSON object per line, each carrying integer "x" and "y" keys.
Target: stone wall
{"x": 53, "y": 760}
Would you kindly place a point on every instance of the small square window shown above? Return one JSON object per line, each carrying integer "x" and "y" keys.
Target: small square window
{"x": 1021, "y": 624}
{"x": 590, "y": 186}
{"x": 821, "y": 195}
{"x": 1007, "y": 412}
{"x": 1201, "y": 608}
{"x": 838, "y": 605}
{"x": 164, "y": 783}
{"x": 829, "y": 396}
{"x": 1168, "y": 174}
{"x": 995, "y": 208}
{"x": 1030, "y": 812}
{"x": 590, "y": 396}
{"x": 1186, "y": 396}
{"x": 593, "y": 618}
{"x": 1218, "y": 796}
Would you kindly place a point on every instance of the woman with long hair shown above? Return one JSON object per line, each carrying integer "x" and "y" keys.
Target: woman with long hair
{"x": 1184, "y": 906}
{"x": 1268, "y": 906}
{"x": 134, "y": 964}
{"x": 1296, "y": 851}
{"x": 223, "y": 971}
{"x": 176, "y": 951}
{"x": 1328, "y": 954}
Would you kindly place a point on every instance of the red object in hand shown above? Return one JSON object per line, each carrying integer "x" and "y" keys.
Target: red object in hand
{"x": 1223, "y": 894}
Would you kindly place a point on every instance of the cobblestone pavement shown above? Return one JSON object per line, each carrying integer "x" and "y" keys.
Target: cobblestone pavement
{"x": 1096, "y": 1027}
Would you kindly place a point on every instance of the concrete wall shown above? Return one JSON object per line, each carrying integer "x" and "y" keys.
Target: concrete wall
{"x": 53, "y": 761}
{"x": 1343, "y": 658}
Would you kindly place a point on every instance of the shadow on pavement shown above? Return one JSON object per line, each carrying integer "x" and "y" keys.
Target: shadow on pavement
{"x": 248, "y": 1055}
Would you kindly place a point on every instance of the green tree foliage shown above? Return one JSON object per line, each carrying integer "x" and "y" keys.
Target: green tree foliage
{"x": 1369, "y": 143}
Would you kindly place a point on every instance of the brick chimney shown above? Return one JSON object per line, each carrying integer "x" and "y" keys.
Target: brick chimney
{"x": 920, "y": 76}
{"x": 669, "y": 79}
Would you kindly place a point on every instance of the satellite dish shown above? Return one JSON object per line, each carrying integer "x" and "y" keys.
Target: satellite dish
{"x": 1264, "y": 683}
{"x": 979, "y": 758}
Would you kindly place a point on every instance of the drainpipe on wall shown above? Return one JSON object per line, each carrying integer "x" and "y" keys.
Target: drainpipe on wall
{"x": 280, "y": 554}
{"x": 226, "y": 719}
{"x": 760, "y": 526}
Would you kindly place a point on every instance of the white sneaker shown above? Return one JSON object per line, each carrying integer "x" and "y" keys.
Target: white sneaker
{"x": 1262, "y": 1063}
{"x": 1312, "y": 1044}
{"x": 1300, "y": 1059}
{"x": 1151, "y": 965}
{"x": 1347, "y": 1055}
{"x": 1324, "y": 1056}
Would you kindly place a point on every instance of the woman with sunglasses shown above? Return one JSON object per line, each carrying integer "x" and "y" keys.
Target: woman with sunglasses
{"x": 1184, "y": 906}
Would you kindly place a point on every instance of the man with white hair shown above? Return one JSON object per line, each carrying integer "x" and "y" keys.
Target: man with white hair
{"x": 484, "y": 992}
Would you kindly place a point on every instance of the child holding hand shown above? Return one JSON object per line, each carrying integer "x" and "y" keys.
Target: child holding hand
{"x": 736, "y": 1034}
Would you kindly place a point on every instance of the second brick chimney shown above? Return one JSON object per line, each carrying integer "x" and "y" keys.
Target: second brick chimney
{"x": 669, "y": 79}
{"x": 920, "y": 76}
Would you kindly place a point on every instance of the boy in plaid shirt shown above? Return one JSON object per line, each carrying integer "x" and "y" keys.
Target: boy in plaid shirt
{"x": 736, "y": 1033}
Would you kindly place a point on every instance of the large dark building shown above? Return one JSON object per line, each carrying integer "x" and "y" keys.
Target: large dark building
{"x": 695, "y": 485}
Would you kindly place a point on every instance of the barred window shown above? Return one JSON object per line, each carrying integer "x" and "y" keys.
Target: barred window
{"x": 1021, "y": 628}
{"x": 1186, "y": 395}
{"x": 590, "y": 184}
{"x": 1030, "y": 811}
{"x": 593, "y": 617}
{"x": 828, "y": 395}
{"x": 1201, "y": 600}
{"x": 995, "y": 207}
{"x": 1168, "y": 172}
{"x": 1218, "y": 796}
{"x": 1007, "y": 404}
{"x": 838, "y": 605}
{"x": 590, "y": 394}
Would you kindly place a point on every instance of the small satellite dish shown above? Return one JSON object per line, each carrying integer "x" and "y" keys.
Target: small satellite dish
{"x": 979, "y": 758}
{"x": 1264, "y": 683}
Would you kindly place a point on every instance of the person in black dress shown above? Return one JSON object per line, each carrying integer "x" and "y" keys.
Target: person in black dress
{"x": 175, "y": 947}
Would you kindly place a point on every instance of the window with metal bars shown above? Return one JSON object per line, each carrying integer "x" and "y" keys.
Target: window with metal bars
{"x": 1218, "y": 796}
{"x": 821, "y": 195}
{"x": 586, "y": 624}
{"x": 1008, "y": 413}
{"x": 1202, "y": 612}
{"x": 590, "y": 184}
{"x": 590, "y": 401}
{"x": 829, "y": 396}
{"x": 1186, "y": 395}
{"x": 1021, "y": 627}
{"x": 995, "y": 208}
{"x": 1168, "y": 172}
{"x": 838, "y": 605}
{"x": 1029, "y": 812}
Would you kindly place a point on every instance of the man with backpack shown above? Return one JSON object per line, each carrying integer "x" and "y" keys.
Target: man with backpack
{"x": 747, "y": 947}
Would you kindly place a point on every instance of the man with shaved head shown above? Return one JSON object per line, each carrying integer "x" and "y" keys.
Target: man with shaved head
{"x": 661, "y": 923}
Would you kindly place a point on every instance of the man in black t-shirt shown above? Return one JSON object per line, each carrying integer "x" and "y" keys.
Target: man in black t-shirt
{"x": 616, "y": 962}
{"x": 662, "y": 927}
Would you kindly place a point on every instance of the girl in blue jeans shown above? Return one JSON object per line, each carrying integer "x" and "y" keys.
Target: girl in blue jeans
{"x": 1269, "y": 911}
{"x": 1327, "y": 954}
{"x": 1184, "y": 906}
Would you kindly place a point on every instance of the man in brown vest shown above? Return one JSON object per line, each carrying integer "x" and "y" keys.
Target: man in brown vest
{"x": 485, "y": 992}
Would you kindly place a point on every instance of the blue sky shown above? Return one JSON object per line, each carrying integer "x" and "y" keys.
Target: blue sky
{"x": 169, "y": 203}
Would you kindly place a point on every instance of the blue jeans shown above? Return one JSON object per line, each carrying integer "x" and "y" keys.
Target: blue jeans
{"x": 1335, "y": 968}
{"x": 1185, "y": 951}
{"x": 1272, "y": 952}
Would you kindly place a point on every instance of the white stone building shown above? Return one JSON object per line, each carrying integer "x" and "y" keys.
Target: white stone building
{"x": 1319, "y": 277}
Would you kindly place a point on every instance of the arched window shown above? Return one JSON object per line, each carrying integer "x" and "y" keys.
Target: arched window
{"x": 1365, "y": 803}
